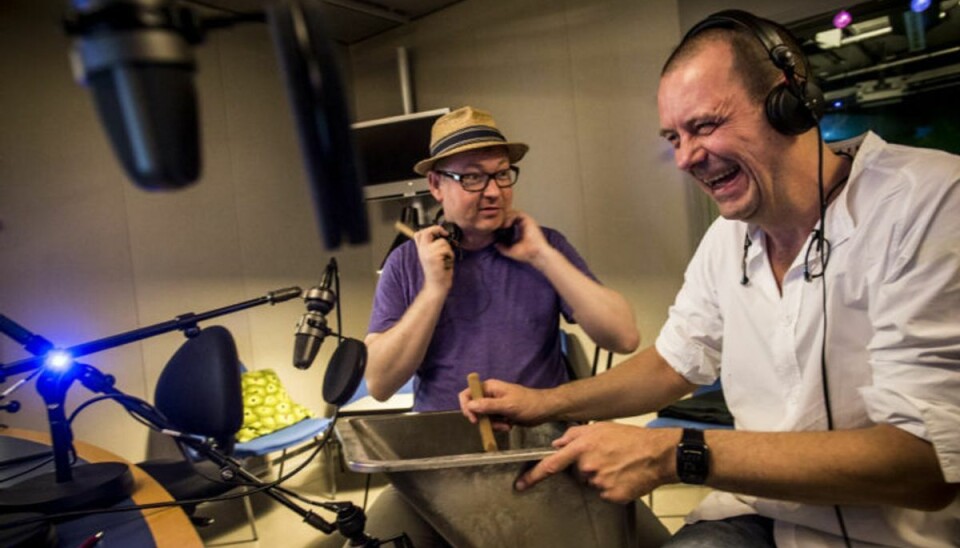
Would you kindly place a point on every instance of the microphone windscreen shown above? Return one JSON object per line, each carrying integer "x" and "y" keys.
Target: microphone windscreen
{"x": 305, "y": 348}
{"x": 344, "y": 372}
{"x": 150, "y": 113}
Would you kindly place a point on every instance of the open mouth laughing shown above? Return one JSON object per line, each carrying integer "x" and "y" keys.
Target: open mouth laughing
{"x": 720, "y": 179}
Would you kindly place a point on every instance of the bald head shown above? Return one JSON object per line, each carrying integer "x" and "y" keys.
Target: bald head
{"x": 751, "y": 61}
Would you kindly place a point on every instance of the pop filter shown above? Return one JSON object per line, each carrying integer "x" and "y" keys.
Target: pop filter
{"x": 316, "y": 96}
{"x": 344, "y": 372}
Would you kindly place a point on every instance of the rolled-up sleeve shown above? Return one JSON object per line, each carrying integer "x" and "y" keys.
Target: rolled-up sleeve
{"x": 691, "y": 339}
{"x": 915, "y": 350}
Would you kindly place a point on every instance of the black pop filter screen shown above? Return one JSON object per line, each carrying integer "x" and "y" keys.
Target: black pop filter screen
{"x": 344, "y": 372}
{"x": 320, "y": 112}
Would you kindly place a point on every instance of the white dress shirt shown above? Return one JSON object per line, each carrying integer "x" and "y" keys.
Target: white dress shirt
{"x": 893, "y": 344}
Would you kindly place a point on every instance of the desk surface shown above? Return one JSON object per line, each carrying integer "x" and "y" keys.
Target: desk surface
{"x": 170, "y": 527}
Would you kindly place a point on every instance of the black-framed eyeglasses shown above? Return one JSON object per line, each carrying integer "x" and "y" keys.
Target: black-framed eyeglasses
{"x": 817, "y": 256}
{"x": 477, "y": 182}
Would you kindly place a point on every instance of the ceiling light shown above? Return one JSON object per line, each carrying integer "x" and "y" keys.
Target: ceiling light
{"x": 842, "y": 19}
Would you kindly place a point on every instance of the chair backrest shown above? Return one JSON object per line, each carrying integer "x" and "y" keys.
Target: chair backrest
{"x": 575, "y": 358}
{"x": 199, "y": 388}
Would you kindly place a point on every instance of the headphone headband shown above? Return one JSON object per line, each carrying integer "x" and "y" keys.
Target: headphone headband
{"x": 792, "y": 108}
{"x": 769, "y": 38}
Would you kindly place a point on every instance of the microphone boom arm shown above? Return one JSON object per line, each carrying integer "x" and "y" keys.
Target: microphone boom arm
{"x": 184, "y": 322}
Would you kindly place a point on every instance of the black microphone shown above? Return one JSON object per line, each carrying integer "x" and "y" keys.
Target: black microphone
{"x": 33, "y": 343}
{"x": 285, "y": 294}
{"x": 312, "y": 328}
{"x": 137, "y": 59}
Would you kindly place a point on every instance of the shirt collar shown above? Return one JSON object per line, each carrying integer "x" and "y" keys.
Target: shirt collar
{"x": 840, "y": 222}
{"x": 863, "y": 148}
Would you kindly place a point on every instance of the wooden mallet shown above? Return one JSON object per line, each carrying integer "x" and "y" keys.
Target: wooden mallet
{"x": 404, "y": 229}
{"x": 486, "y": 429}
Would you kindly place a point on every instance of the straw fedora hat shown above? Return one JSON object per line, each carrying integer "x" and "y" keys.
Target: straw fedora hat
{"x": 466, "y": 129}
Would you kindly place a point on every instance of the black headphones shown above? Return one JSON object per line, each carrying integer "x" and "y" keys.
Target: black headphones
{"x": 792, "y": 107}
{"x": 454, "y": 231}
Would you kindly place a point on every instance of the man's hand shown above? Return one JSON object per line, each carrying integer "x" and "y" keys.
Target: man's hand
{"x": 530, "y": 244}
{"x": 622, "y": 462}
{"x": 436, "y": 257}
{"x": 506, "y": 404}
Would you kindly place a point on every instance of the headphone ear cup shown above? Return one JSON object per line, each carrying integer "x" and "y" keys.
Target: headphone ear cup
{"x": 456, "y": 233}
{"x": 816, "y": 102}
{"x": 787, "y": 112}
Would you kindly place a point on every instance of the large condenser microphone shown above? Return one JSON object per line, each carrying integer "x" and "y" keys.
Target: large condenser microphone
{"x": 137, "y": 59}
{"x": 312, "y": 328}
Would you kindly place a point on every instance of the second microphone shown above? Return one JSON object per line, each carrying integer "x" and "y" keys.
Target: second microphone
{"x": 312, "y": 328}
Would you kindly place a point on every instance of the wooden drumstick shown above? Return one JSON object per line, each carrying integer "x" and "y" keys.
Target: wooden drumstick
{"x": 404, "y": 229}
{"x": 486, "y": 429}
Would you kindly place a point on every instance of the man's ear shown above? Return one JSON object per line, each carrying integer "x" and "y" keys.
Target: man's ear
{"x": 433, "y": 180}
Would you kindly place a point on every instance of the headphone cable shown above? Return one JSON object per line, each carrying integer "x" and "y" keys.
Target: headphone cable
{"x": 821, "y": 235}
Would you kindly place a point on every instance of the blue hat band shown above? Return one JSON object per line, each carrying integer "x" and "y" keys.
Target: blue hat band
{"x": 467, "y": 136}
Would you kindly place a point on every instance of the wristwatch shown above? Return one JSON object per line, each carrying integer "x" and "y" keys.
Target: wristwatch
{"x": 693, "y": 457}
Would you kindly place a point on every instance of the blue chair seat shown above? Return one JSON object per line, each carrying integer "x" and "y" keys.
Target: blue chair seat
{"x": 283, "y": 438}
{"x": 668, "y": 422}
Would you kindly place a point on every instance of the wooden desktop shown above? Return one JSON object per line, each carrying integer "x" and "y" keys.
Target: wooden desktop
{"x": 169, "y": 527}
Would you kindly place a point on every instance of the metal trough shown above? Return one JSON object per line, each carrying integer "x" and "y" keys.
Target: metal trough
{"x": 436, "y": 462}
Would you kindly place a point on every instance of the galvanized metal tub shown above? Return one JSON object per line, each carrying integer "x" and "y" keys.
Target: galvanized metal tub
{"x": 436, "y": 462}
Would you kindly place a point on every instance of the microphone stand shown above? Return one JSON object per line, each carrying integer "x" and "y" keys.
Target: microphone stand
{"x": 350, "y": 519}
{"x": 106, "y": 483}
{"x": 33, "y": 343}
{"x": 96, "y": 484}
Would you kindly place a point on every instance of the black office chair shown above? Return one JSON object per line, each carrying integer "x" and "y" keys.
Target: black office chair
{"x": 705, "y": 409}
{"x": 199, "y": 393}
{"x": 575, "y": 357}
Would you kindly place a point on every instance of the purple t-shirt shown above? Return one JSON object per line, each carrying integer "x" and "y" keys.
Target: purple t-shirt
{"x": 501, "y": 319}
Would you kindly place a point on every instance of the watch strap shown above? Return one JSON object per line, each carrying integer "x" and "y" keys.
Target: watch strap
{"x": 693, "y": 457}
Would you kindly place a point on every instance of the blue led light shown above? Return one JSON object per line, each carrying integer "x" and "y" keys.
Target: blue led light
{"x": 58, "y": 360}
{"x": 920, "y": 5}
{"x": 838, "y": 103}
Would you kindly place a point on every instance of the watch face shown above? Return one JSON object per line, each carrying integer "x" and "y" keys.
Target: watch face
{"x": 692, "y": 463}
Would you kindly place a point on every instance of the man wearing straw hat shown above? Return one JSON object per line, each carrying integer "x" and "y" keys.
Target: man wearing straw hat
{"x": 442, "y": 311}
